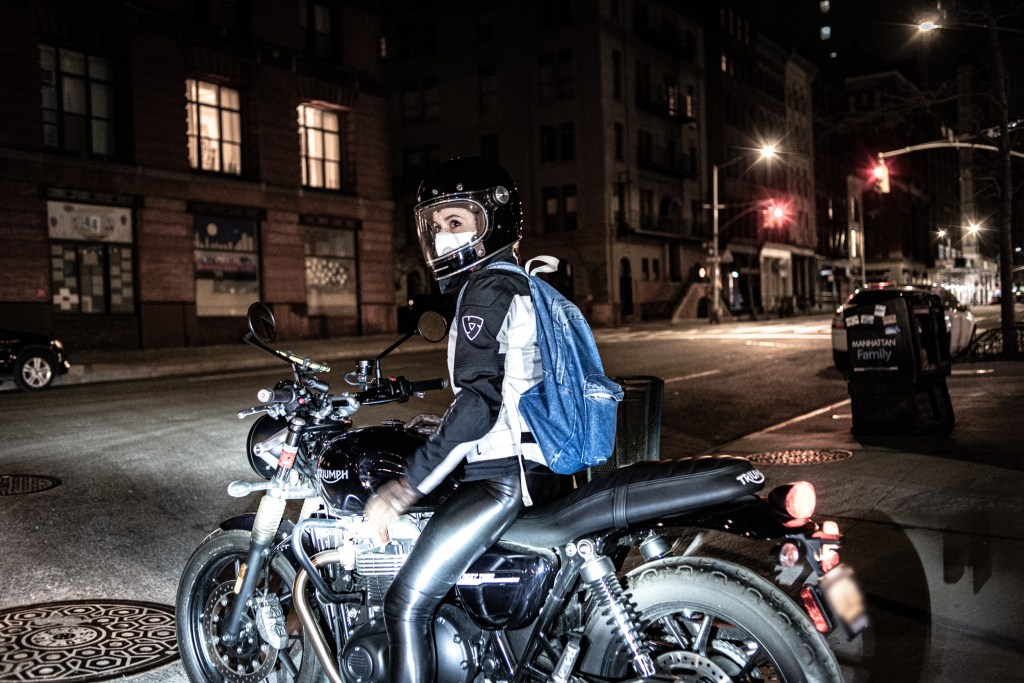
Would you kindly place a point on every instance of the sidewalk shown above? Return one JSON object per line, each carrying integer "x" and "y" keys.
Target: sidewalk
{"x": 933, "y": 526}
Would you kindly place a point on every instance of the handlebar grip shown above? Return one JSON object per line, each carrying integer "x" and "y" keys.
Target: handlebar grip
{"x": 427, "y": 385}
{"x": 286, "y": 395}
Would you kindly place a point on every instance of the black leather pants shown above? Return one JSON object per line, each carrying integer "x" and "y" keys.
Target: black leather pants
{"x": 469, "y": 523}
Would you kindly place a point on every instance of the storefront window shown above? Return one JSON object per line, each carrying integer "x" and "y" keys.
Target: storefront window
{"x": 227, "y": 265}
{"x": 331, "y": 272}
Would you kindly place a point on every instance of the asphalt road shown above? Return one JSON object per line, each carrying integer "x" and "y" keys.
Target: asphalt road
{"x": 144, "y": 465}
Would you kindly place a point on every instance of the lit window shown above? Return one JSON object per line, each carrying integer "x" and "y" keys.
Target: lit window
{"x": 78, "y": 101}
{"x": 320, "y": 145}
{"x": 214, "y": 121}
{"x": 826, "y": 32}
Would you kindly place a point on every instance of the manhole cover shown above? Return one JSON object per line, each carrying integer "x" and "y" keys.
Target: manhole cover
{"x": 17, "y": 484}
{"x": 802, "y": 456}
{"x": 84, "y": 642}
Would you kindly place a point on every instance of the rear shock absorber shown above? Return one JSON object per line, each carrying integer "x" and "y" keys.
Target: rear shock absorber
{"x": 598, "y": 571}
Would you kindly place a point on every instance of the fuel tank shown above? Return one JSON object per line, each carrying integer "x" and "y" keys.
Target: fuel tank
{"x": 354, "y": 464}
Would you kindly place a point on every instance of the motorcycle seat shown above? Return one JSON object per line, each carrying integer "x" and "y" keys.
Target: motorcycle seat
{"x": 635, "y": 494}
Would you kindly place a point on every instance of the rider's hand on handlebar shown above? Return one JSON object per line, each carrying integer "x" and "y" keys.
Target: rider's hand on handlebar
{"x": 392, "y": 499}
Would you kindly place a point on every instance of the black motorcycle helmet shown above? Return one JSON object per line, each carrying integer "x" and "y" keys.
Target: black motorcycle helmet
{"x": 480, "y": 198}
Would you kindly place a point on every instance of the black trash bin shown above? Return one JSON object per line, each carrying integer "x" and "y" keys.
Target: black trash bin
{"x": 637, "y": 424}
{"x": 898, "y": 354}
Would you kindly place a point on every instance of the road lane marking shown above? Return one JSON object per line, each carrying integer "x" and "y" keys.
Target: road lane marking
{"x": 693, "y": 376}
{"x": 801, "y": 418}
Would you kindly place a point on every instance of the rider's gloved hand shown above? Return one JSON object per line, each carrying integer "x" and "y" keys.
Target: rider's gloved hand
{"x": 392, "y": 499}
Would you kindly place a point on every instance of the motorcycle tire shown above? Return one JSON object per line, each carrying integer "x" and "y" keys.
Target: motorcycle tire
{"x": 205, "y": 593}
{"x": 711, "y": 620}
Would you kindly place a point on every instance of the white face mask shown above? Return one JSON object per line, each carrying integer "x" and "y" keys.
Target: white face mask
{"x": 445, "y": 242}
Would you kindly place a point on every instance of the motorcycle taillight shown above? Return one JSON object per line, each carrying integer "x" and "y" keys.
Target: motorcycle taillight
{"x": 797, "y": 500}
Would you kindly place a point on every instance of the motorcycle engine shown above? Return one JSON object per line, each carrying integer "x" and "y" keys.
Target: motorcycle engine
{"x": 369, "y": 564}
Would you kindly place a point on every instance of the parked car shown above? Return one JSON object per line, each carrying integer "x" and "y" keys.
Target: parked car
{"x": 959, "y": 319}
{"x": 31, "y": 360}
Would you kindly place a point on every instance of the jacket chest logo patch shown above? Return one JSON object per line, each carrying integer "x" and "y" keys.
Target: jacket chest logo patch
{"x": 471, "y": 325}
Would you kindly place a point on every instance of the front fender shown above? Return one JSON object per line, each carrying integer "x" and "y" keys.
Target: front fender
{"x": 244, "y": 522}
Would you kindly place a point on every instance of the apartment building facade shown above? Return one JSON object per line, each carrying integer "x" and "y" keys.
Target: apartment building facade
{"x": 165, "y": 164}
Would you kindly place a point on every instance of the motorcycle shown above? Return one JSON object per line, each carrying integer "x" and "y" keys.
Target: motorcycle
{"x": 267, "y": 598}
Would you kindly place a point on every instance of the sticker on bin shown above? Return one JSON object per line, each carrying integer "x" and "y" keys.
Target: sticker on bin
{"x": 889, "y": 319}
{"x": 879, "y": 310}
{"x": 892, "y": 329}
{"x": 867, "y": 320}
{"x": 852, "y": 320}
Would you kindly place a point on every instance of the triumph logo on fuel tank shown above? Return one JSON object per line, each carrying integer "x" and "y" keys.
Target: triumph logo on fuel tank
{"x": 332, "y": 476}
{"x": 751, "y": 477}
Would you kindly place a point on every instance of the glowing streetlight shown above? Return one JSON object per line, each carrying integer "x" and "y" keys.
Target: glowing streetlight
{"x": 766, "y": 152}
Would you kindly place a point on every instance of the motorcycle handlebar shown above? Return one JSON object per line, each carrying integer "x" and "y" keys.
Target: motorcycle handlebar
{"x": 427, "y": 385}
{"x": 285, "y": 395}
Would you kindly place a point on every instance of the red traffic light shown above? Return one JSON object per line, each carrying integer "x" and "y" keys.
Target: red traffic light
{"x": 881, "y": 176}
{"x": 776, "y": 214}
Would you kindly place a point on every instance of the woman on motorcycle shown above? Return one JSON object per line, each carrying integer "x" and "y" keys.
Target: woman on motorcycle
{"x": 468, "y": 215}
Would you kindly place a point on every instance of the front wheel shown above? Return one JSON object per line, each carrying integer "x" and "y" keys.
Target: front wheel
{"x": 205, "y": 595}
{"x": 33, "y": 371}
{"x": 711, "y": 620}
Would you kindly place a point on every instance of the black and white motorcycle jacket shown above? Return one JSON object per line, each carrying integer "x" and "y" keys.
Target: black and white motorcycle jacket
{"x": 492, "y": 359}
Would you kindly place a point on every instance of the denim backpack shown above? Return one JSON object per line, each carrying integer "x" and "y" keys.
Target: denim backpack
{"x": 571, "y": 411}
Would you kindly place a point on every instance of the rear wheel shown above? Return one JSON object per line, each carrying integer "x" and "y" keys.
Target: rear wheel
{"x": 205, "y": 595}
{"x": 709, "y": 620}
{"x": 33, "y": 371}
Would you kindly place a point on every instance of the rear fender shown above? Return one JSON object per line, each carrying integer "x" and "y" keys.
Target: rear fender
{"x": 750, "y": 517}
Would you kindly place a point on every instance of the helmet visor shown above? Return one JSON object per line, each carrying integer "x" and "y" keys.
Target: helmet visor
{"x": 448, "y": 227}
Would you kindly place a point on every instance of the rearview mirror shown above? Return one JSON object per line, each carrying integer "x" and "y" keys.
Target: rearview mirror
{"x": 261, "y": 322}
{"x": 432, "y": 326}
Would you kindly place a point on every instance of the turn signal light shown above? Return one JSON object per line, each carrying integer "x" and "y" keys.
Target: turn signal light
{"x": 787, "y": 555}
{"x": 813, "y": 607}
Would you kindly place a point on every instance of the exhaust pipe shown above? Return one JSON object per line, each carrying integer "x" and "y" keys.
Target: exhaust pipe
{"x": 309, "y": 624}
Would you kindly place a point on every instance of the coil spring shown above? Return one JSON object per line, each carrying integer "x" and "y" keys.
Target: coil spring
{"x": 621, "y": 613}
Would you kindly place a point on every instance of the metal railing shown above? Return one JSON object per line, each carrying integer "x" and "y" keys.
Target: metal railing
{"x": 989, "y": 346}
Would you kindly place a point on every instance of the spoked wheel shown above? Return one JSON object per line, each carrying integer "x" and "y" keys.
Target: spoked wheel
{"x": 711, "y": 621}
{"x": 205, "y": 596}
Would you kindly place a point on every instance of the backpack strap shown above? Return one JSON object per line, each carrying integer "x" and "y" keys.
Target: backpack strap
{"x": 548, "y": 264}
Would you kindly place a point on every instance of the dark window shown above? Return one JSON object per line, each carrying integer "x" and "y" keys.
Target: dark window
{"x": 617, "y": 75}
{"x": 555, "y": 75}
{"x": 316, "y": 21}
{"x": 560, "y": 212}
{"x": 550, "y": 204}
{"x": 420, "y": 100}
{"x": 78, "y": 101}
{"x": 548, "y": 143}
{"x": 620, "y": 134}
{"x": 489, "y": 147}
{"x": 644, "y": 146}
{"x": 643, "y": 82}
{"x": 488, "y": 90}
{"x": 567, "y": 133}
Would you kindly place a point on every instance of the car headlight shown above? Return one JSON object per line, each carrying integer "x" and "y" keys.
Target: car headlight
{"x": 57, "y": 345}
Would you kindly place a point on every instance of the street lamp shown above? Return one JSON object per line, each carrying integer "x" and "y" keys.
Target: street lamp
{"x": 766, "y": 152}
{"x": 1007, "y": 312}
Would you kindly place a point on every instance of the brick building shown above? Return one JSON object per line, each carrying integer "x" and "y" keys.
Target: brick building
{"x": 163, "y": 164}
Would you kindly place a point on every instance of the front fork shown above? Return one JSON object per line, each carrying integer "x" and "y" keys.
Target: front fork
{"x": 264, "y": 529}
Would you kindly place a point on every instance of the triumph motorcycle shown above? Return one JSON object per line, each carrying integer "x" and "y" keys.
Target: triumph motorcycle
{"x": 299, "y": 597}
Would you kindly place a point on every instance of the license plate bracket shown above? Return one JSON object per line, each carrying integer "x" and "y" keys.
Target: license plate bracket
{"x": 844, "y": 599}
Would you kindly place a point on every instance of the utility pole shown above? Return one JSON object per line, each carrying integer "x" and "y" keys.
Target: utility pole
{"x": 1007, "y": 298}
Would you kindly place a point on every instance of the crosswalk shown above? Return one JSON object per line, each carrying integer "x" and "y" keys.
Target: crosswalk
{"x": 815, "y": 330}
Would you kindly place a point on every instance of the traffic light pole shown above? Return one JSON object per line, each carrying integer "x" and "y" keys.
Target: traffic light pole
{"x": 1007, "y": 300}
